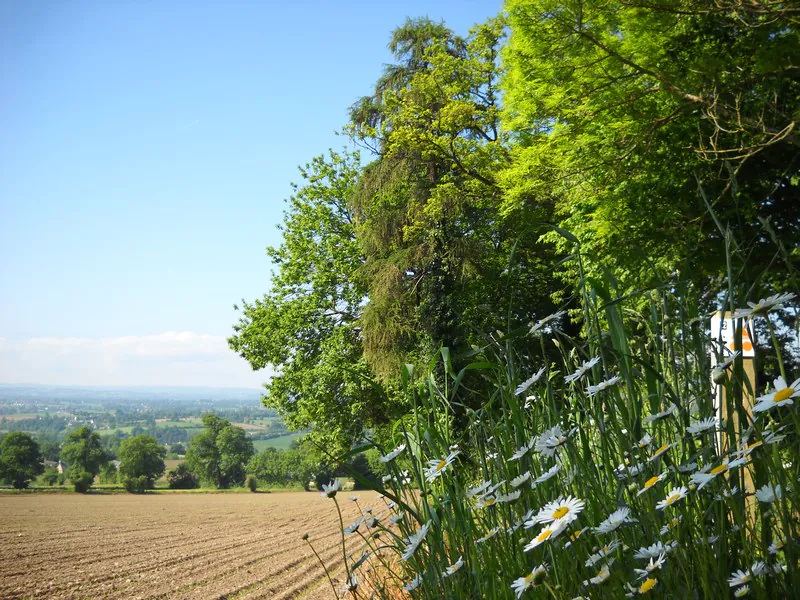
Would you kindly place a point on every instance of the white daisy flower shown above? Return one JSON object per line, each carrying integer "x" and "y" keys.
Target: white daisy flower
{"x": 551, "y": 472}
{"x": 495, "y": 487}
{"x": 354, "y": 526}
{"x": 531, "y": 580}
{"x": 704, "y": 476}
{"x": 596, "y": 389}
{"x": 582, "y": 370}
{"x": 523, "y": 450}
{"x": 522, "y": 387}
{"x": 474, "y": 491}
{"x": 614, "y": 520}
{"x": 397, "y": 518}
{"x": 742, "y": 591}
{"x": 653, "y": 565}
{"x": 550, "y": 532}
{"x": 772, "y": 437}
{"x": 671, "y": 409}
{"x": 437, "y": 466}
{"x": 552, "y": 439}
{"x": 661, "y": 450}
{"x": 702, "y": 426}
{"x": 414, "y": 583}
{"x": 485, "y": 502}
{"x": 489, "y": 535}
{"x": 777, "y": 546}
{"x": 451, "y": 570}
{"x": 329, "y": 490}
{"x": 393, "y": 454}
{"x": 655, "y": 550}
{"x": 520, "y": 479}
{"x": 769, "y": 494}
{"x": 762, "y": 306}
{"x": 782, "y": 395}
{"x": 635, "y": 469}
{"x": 645, "y": 441}
{"x": 671, "y": 525}
{"x": 603, "y": 574}
{"x": 542, "y": 322}
{"x": 350, "y": 584}
{"x": 510, "y": 497}
{"x": 740, "y": 578}
{"x": 563, "y": 508}
{"x": 673, "y": 496}
{"x": 728, "y": 493}
{"x": 651, "y": 482}
{"x": 602, "y": 553}
{"x": 414, "y": 540}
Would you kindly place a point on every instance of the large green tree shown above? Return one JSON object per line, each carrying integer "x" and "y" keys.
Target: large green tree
{"x": 652, "y": 127}
{"x": 220, "y": 454}
{"x": 83, "y": 452}
{"x": 142, "y": 456}
{"x": 20, "y": 459}
{"x": 442, "y": 267}
{"x": 307, "y": 327}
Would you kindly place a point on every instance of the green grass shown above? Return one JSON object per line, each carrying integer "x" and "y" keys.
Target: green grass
{"x": 281, "y": 443}
{"x": 609, "y": 446}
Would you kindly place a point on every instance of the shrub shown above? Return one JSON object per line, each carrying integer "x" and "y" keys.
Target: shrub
{"x": 181, "y": 478}
{"x": 50, "y": 476}
{"x": 82, "y": 481}
{"x": 251, "y": 483}
{"x": 136, "y": 485}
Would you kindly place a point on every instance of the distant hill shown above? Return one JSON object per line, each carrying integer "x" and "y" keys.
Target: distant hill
{"x": 103, "y": 394}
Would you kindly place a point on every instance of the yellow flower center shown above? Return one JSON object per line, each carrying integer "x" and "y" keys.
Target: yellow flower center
{"x": 560, "y": 512}
{"x": 650, "y": 482}
{"x": 546, "y": 533}
{"x": 441, "y": 464}
{"x": 674, "y": 498}
{"x": 746, "y": 578}
{"x": 783, "y": 394}
{"x": 576, "y": 535}
{"x": 661, "y": 450}
{"x": 648, "y": 585}
{"x": 719, "y": 469}
{"x": 529, "y": 578}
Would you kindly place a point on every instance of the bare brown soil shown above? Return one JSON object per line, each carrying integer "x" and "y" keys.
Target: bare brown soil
{"x": 170, "y": 545}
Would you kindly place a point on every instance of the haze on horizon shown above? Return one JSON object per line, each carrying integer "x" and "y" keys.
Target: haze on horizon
{"x": 147, "y": 155}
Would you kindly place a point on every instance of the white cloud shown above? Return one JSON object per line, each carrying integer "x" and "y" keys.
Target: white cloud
{"x": 170, "y": 358}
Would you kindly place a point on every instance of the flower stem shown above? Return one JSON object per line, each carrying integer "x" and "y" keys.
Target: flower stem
{"x": 777, "y": 347}
{"x": 327, "y": 574}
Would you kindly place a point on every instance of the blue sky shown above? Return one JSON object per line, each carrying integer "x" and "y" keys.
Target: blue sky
{"x": 147, "y": 152}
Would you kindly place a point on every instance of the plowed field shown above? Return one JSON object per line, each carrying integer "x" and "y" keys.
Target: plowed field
{"x": 239, "y": 546}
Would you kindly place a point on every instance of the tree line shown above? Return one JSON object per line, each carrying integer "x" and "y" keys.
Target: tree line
{"x": 222, "y": 456}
